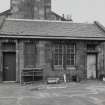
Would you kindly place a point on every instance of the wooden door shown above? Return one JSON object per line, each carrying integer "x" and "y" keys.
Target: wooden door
{"x": 91, "y": 66}
{"x": 9, "y": 67}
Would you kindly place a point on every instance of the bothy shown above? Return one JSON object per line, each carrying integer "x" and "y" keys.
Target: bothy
{"x": 33, "y": 50}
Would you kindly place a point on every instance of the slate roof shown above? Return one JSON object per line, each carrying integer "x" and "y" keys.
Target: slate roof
{"x": 25, "y": 28}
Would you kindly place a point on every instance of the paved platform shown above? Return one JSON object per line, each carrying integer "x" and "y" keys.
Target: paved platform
{"x": 83, "y": 93}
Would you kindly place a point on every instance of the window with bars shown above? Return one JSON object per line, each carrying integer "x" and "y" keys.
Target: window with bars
{"x": 64, "y": 54}
{"x": 30, "y": 55}
{"x": 91, "y": 47}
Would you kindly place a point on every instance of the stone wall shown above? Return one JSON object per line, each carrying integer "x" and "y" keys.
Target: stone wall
{"x": 45, "y": 59}
{"x": 21, "y": 9}
{"x": 31, "y": 9}
{"x": 81, "y": 59}
{"x": 20, "y": 58}
{"x": 101, "y": 59}
{"x": 1, "y": 63}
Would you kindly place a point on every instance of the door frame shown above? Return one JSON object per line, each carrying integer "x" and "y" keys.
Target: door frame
{"x": 13, "y": 52}
{"x": 96, "y": 55}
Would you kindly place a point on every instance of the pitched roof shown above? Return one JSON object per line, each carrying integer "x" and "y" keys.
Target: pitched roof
{"x": 50, "y": 29}
{"x": 6, "y": 12}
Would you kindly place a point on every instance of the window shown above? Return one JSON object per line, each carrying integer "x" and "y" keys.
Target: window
{"x": 91, "y": 47}
{"x": 58, "y": 54}
{"x": 70, "y": 54}
{"x": 29, "y": 54}
{"x": 11, "y": 46}
{"x": 64, "y": 54}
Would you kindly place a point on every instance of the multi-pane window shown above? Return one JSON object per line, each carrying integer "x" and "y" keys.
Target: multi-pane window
{"x": 29, "y": 54}
{"x": 58, "y": 54}
{"x": 70, "y": 54}
{"x": 64, "y": 54}
{"x": 91, "y": 47}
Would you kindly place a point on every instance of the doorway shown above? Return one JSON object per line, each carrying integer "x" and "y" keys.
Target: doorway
{"x": 91, "y": 66}
{"x": 9, "y": 66}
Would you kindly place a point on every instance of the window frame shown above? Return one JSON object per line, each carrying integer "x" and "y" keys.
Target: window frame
{"x": 64, "y": 53}
{"x": 33, "y": 65}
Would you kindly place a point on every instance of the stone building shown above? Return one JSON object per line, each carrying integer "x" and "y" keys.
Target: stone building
{"x": 34, "y": 50}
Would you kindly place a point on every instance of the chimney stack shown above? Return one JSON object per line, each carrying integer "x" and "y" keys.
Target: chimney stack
{"x": 31, "y": 9}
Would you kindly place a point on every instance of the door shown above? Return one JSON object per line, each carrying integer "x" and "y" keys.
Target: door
{"x": 9, "y": 67}
{"x": 91, "y": 66}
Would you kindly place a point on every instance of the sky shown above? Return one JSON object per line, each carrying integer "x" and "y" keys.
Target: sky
{"x": 81, "y": 10}
{"x": 4, "y": 5}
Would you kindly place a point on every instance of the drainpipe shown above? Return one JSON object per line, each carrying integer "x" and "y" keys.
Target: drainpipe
{"x": 103, "y": 58}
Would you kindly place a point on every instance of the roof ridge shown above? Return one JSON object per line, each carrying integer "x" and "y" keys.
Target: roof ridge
{"x": 50, "y": 21}
{"x": 57, "y": 21}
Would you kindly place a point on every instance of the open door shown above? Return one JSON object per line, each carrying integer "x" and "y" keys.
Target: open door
{"x": 91, "y": 66}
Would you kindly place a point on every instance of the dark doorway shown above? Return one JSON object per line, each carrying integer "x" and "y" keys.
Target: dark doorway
{"x": 91, "y": 66}
{"x": 9, "y": 66}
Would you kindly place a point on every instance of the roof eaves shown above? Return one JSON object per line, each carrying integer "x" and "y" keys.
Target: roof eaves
{"x": 51, "y": 37}
{"x": 5, "y": 12}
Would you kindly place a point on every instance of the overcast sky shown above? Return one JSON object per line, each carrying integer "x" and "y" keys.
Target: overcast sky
{"x": 80, "y": 10}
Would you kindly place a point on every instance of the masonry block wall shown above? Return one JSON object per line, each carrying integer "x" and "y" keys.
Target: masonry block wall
{"x": 31, "y": 9}
{"x": 80, "y": 68}
{"x": 45, "y": 59}
{"x": 101, "y": 59}
{"x": 21, "y": 9}
{"x": 81, "y": 59}
{"x": 41, "y": 57}
{"x": 17, "y": 62}
{"x": 0, "y": 63}
{"x": 20, "y": 58}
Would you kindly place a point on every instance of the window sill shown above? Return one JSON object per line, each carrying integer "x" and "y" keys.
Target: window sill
{"x": 58, "y": 67}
